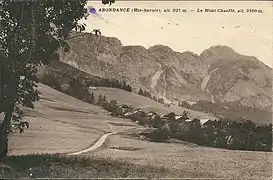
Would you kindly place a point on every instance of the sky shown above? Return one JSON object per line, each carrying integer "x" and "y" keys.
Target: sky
{"x": 247, "y": 33}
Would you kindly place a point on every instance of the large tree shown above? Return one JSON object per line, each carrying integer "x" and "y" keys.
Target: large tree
{"x": 30, "y": 35}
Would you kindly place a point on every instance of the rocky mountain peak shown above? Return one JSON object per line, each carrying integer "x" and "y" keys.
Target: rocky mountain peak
{"x": 220, "y": 52}
{"x": 161, "y": 49}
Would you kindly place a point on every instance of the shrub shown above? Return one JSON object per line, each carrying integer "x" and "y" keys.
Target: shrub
{"x": 77, "y": 90}
{"x": 160, "y": 134}
{"x": 156, "y": 122}
{"x": 161, "y": 100}
{"x": 184, "y": 104}
{"x": 102, "y": 101}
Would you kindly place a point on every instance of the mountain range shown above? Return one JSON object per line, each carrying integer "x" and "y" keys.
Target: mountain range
{"x": 219, "y": 75}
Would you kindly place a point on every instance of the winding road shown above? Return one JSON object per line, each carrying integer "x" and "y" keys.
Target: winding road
{"x": 102, "y": 140}
{"x": 98, "y": 144}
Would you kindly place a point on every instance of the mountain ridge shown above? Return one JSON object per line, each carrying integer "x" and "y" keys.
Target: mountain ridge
{"x": 218, "y": 74}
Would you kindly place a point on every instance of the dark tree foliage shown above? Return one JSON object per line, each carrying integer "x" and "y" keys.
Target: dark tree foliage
{"x": 161, "y": 100}
{"x": 50, "y": 80}
{"x": 113, "y": 83}
{"x": 30, "y": 35}
{"x": 149, "y": 95}
{"x": 77, "y": 90}
{"x": 140, "y": 92}
{"x": 112, "y": 106}
{"x": 157, "y": 122}
{"x": 154, "y": 99}
{"x": 101, "y": 100}
{"x": 104, "y": 98}
{"x": 241, "y": 135}
{"x": 184, "y": 104}
{"x": 92, "y": 98}
{"x": 160, "y": 134}
{"x": 110, "y": 2}
{"x": 185, "y": 115}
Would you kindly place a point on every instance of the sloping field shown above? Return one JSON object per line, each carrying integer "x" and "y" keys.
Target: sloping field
{"x": 124, "y": 97}
{"x": 191, "y": 161}
{"x": 61, "y": 123}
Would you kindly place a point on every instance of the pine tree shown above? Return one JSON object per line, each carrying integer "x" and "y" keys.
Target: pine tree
{"x": 129, "y": 88}
{"x": 117, "y": 84}
{"x": 112, "y": 83}
{"x": 102, "y": 82}
{"x": 104, "y": 98}
{"x": 161, "y": 100}
{"x": 145, "y": 93}
{"x": 140, "y": 92}
{"x": 149, "y": 94}
{"x": 92, "y": 98}
{"x": 99, "y": 100}
{"x": 107, "y": 83}
{"x": 124, "y": 86}
{"x": 185, "y": 115}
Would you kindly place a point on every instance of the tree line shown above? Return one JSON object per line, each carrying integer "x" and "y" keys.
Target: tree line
{"x": 113, "y": 83}
{"x": 56, "y": 81}
{"x": 234, "y": 135}
{"x": 149, "y": 95}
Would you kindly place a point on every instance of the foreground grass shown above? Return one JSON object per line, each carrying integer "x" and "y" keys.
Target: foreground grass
{"x": 63, "y": 166}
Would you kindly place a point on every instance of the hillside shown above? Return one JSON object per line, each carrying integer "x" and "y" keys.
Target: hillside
{"x": 63, "y": 124}
{"x": 60, "y": 123}
{"x": 147, "y": 104}
{"x": 218, "y": 75}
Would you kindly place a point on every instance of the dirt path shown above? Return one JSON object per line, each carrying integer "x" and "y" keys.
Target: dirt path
{"x": 102, "y": 140}
{"x": 98, "y": 144}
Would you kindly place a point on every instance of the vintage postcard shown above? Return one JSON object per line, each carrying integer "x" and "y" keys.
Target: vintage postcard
{"x": 136, "y": 89}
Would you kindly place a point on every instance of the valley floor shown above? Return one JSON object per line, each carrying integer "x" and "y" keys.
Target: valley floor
{"x": 63, "y": 124}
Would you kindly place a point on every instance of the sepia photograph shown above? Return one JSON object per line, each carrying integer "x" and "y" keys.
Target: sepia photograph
{"x": 136, "y": 89}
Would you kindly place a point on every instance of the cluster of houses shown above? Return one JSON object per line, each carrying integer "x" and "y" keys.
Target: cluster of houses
{"x": 141, "y": 117}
